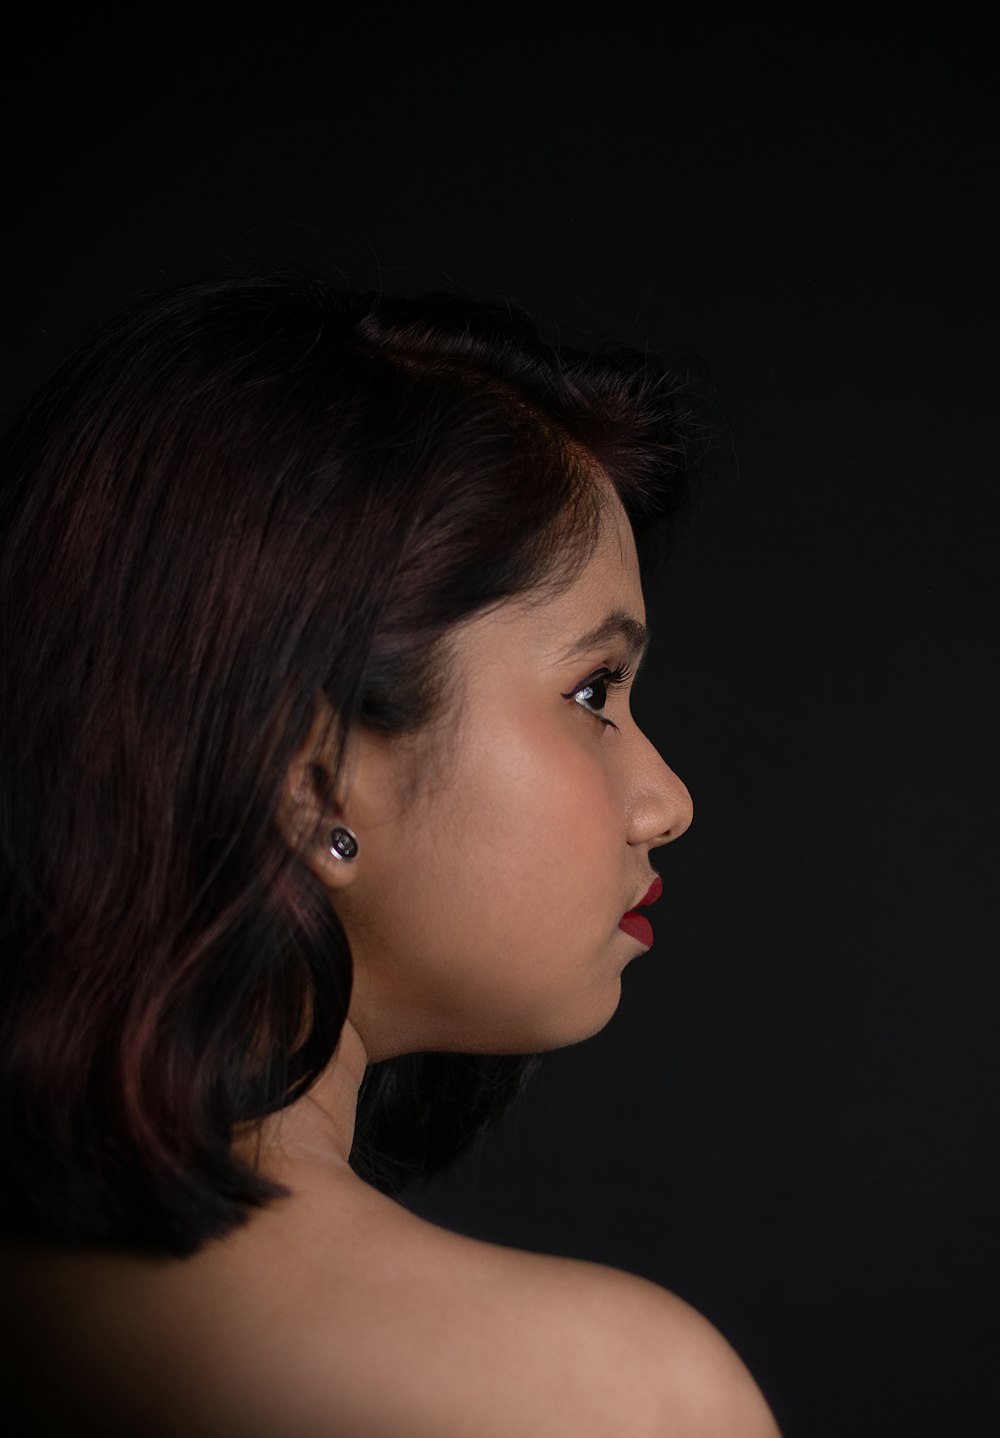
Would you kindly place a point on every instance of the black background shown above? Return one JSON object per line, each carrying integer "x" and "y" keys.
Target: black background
{"x": 791, "y": 1119}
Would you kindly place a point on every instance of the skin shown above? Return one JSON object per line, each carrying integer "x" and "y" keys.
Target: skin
{"x": 482, "y": 912}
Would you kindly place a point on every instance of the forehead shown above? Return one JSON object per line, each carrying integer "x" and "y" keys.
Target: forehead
{"x": 614, "y": 564}
{"x": 542, "y": 627}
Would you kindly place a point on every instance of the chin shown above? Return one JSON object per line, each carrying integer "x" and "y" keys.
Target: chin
{"x": 564, "y": 1033}
{"x": 559, "y": 1024}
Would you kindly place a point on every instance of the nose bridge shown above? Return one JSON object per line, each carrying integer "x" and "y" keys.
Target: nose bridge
{"x": 660, "y": 807}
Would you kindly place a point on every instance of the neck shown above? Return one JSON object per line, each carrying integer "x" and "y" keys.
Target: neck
{"x": 319, "y": 1127}
{"x": 335, "y": 1092}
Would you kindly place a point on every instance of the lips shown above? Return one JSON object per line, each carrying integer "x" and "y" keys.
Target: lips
{"x": 637, "y": 925}
{"x": 651, "y": 895}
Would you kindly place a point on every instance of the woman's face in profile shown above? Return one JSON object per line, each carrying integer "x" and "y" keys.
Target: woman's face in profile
{"x": 483, "y": 912}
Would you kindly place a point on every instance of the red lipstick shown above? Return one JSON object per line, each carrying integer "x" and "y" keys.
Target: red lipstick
{"x": 637, "y": 925}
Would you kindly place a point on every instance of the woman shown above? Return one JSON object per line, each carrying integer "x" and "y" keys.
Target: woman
{"x": 322, "y": 807}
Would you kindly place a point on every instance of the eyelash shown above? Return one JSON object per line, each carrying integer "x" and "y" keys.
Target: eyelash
{"x": 611, "y": 679}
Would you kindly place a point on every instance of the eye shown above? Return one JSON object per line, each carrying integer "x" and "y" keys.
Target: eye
{"x": 592, "y": 694}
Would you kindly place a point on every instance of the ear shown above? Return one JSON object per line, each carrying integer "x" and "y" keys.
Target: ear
{"x": 308, "y": 809}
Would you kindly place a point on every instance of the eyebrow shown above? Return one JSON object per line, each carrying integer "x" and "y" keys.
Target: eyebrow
{"x": 616, "y": 626}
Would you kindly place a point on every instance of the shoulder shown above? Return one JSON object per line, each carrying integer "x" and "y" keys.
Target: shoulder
{"x": 343, "y": 1314}
{"x": 497, "y": 1341}
{"x": 644, "y": 1362}
{"x": 638, "y": 1340}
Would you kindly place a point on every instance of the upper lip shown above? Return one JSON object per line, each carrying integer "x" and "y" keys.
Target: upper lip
{"x": 650, "y": 896}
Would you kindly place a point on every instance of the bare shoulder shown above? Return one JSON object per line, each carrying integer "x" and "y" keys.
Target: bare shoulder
{"x": 643, "y": 1340}
{"x": 459, "y": 1336}
{"x": 342, "y": 1315}
{"x": 645, "y": 1362}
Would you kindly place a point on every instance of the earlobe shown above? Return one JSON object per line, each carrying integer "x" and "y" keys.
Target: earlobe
{"x": 329, "y": 852}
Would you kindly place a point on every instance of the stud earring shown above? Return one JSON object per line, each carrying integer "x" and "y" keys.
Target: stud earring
{"x": 343, "y": 843}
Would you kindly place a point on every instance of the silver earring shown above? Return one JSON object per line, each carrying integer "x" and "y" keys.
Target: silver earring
{"x": 343, "y": 843}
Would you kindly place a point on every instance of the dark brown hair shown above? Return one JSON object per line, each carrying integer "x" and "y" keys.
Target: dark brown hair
{"x": 238, "y": 495}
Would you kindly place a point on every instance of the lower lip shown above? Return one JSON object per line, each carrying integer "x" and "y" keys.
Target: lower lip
{"x": 638, "y": 926}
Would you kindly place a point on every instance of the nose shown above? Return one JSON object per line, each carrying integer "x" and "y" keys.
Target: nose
{"x": 660, "y": 806}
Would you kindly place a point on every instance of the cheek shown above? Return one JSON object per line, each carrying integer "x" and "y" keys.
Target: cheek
{"x": 554, "y": 808}
{"x": 534, "y": 837}
{"x": 501, "y": 896}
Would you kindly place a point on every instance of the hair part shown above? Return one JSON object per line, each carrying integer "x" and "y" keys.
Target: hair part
{"x": 238, "y": 496}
